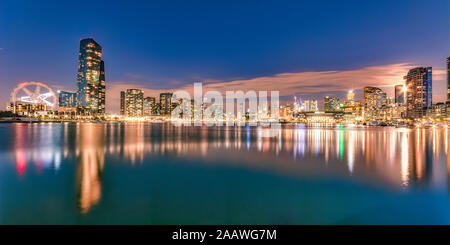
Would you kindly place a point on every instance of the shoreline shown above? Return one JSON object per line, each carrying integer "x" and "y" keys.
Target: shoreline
{"x": 324, "y": 125}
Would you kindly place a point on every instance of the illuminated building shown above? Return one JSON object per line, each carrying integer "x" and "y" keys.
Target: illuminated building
{"x": 400, "y": 94}
{"x": 285, "y": 112}
{"x": 91, "y": 77}
{"x": 157, "y": 108}
{"x": 122, "y": 102}
{"x": 67, "y": 99}
{"x": 309, "y": 106}
{"x": 192, "y": 108}
{"x": 331, "y": 104}
{"x": 438, "y": 110}
{"x": 353, "y": 107}
{"x": 165, "y": 101}
{"x": 26, "y": 109}
{"x": 321, "y": 117}
{"x": 134, "y": 103}
{"x": 389, "y": 101}
{"x": 351, "y": 95}
{"x": 297, "y": 104}
{"x": 350, "y": 102}
{"x": 374, "y": 100}
{"x": 149, "y": 106}
{"x": 418, "y": 91}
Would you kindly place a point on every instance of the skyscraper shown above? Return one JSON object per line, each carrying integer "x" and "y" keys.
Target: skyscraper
{"x": 122, "y": 103}
{"x": 165, "y": 101}
{"x": 400, "y": 94}
{"x": 351, "y": 95}
{"x": 418, "y": 91}
{"x": 149, "y": 106}
{"x": 133, "y": 103}
{"x": 374, "y": 100}
{"x": 330, "y": 103}
{"x": 91, "y": 77}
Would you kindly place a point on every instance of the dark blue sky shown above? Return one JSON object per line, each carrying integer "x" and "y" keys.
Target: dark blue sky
{"x": 164, "y": 44}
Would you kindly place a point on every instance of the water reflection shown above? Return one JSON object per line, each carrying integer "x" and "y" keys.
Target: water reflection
{"x": 398, "y": 158}
{"x": 90, "y": 158}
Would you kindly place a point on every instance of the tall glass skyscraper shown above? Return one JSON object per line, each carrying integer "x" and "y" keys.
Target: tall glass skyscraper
{"x": 418, "y": 92}
{"x": 91, "y": 77}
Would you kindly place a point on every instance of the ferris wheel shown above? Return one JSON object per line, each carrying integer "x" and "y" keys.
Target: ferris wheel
{"x": 34, "y": 93}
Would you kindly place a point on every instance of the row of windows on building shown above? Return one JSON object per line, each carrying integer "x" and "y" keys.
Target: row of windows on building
{"x": 134, "y": 104}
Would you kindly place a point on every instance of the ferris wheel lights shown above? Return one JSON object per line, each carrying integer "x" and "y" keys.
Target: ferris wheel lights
{"x": 35, "y": 96}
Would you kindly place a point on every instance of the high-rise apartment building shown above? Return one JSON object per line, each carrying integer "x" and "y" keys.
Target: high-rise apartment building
{"x": 133, "y": 102}
{"x": 165, "y": 101}
{"x": 91, "y": 77}
{"x": 418, "y": 92}
{"x": 374, "y": 100}
{"x": 149, "y": 106}
{"x": 330, "y": 103}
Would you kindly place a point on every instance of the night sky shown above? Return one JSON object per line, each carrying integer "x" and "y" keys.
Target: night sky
{"x": 306, "y": 48}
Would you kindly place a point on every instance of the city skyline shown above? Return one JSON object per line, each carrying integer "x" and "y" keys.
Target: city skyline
{"x": 237, "y": 118}
{"x": 331, "y": 70}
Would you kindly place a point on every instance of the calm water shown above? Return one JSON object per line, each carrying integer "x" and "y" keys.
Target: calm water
{"x": 142, "y": 173}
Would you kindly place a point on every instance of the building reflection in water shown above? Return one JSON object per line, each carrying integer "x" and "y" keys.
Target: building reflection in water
{"x": 90, "y": 162}
{"x": 404, "y": 158}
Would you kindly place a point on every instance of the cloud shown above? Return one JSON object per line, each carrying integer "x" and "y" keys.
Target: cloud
{"x": 313, "y": 84}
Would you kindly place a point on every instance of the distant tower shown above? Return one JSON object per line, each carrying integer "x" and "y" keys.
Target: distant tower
{"x": 351, "y": 95}
{"x": 418, "y": 91}
{"x": 330, "y": 103}
{"x": 91, "y": 77}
